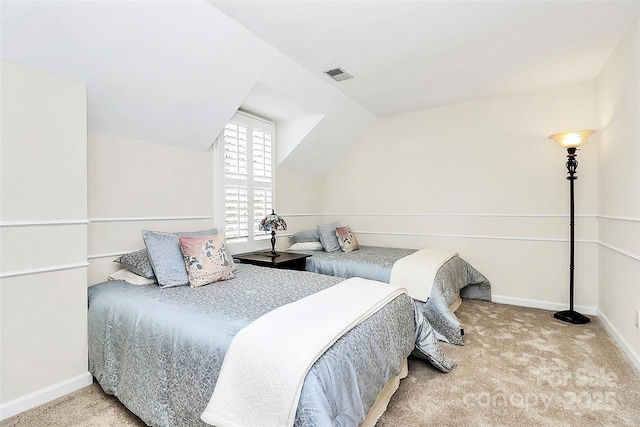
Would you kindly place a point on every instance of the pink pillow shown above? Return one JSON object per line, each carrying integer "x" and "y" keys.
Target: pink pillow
{"x": 347, "y": 239}
{"x": 206, "y": 259}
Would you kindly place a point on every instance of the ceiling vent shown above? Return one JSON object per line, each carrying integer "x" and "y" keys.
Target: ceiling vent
{"x": 338, "y": 74}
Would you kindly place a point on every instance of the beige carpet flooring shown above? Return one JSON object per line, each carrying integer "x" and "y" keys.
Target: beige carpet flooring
{"x": 518, "y": 367}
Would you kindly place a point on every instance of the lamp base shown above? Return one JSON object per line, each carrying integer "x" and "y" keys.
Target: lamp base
{"x": 571, "y": 316}
{"x": 270, "y": 254}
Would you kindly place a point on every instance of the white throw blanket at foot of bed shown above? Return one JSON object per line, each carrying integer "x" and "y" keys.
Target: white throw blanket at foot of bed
{"x": 266, "y": 364}
{"x": 417, "y": 271}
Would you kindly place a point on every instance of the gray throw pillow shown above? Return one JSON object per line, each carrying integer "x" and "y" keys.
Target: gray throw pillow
{"x": 138, "y": 263}
{"x": 166, "y": 256}
{"x": 328, "y": 238}
{"x": 305, "y": 236}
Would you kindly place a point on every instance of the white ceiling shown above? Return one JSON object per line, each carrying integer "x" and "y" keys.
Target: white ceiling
{"x": 410, "y": 55}
{"x": 174, "y": 72}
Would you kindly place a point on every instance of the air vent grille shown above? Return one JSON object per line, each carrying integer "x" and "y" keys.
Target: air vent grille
{"x": 338, "y": 74}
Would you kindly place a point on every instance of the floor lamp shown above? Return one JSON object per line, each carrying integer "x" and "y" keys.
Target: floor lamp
{"x": 571, "y": 141}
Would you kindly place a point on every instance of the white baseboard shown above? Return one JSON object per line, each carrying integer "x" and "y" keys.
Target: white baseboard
{"x": 543, "y": 305}
{"x": 622, "y": 342}
{"x": 47, "y": 394}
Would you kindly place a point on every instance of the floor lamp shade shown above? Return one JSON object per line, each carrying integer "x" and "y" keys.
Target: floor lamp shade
{"x": 571, "y": 141}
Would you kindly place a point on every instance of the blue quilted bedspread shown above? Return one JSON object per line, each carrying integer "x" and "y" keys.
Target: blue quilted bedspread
{"x": 160, "y": 350}
{"x": 375, "y": 263}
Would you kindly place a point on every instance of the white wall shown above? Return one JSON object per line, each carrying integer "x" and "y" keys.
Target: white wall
{"x": 619, "y": 183}
{"x": 136, "y": 185}
{"x": 481, "y": 178}
{"x": 300, "y": 201}
{"x": 43, "y": 226}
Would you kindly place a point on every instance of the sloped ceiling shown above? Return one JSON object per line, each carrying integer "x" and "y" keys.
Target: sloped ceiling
{"x": 411, "y": 55}
{"x": 174, "y": 72}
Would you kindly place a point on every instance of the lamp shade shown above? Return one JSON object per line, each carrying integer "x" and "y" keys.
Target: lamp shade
{"x": 571, "y": 139}
{"x": 272, "y": 222}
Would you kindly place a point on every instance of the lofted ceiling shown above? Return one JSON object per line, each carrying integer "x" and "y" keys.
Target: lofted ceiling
{"x": 410, "y": 55}
{"x": 174, "y": 72}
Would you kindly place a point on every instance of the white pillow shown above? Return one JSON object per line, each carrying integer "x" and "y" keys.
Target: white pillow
{"x": 306, "y": 246}
{"x": 130, "y": 277}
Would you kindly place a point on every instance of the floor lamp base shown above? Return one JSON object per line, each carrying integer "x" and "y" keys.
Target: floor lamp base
{"x": 571, "y": 316}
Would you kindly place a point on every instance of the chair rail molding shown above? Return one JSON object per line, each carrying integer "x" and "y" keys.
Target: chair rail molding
{"x": 40, "y": 270}
{"x": 151, "y": 218}
{"x": 43, "y": 222}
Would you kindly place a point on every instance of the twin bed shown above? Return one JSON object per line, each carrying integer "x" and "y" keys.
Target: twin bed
{"x": 160, "y": 351}
{"x": 454, "y": 280}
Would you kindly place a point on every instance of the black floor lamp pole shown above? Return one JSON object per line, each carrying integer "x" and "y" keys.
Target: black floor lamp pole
{"x": 572, "y": 225}
{"x": 571, "y": 315}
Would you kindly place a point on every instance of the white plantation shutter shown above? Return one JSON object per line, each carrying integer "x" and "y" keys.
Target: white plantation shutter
{"x": 248, "y": 187}
{"x": 261, "y": 156}
{"x": 236, "y": 212}
{"x": 262, "y": 203}
{"x": 235, "y": 151}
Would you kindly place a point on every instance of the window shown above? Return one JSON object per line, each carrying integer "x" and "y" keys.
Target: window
{"x": 245, "y": 153}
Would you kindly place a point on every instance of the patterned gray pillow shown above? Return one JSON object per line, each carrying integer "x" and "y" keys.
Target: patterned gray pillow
{"x": 138, "y": 263}
{"x": 328, "y": 238}
{"x": 166, "y": 256}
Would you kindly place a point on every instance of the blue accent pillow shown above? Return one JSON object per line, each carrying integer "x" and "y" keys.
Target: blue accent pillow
{"x": 166, "y": 256}
{"x": 328, "y": 238}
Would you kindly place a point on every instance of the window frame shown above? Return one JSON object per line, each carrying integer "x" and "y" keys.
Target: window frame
{"x": 255, "y": 241}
